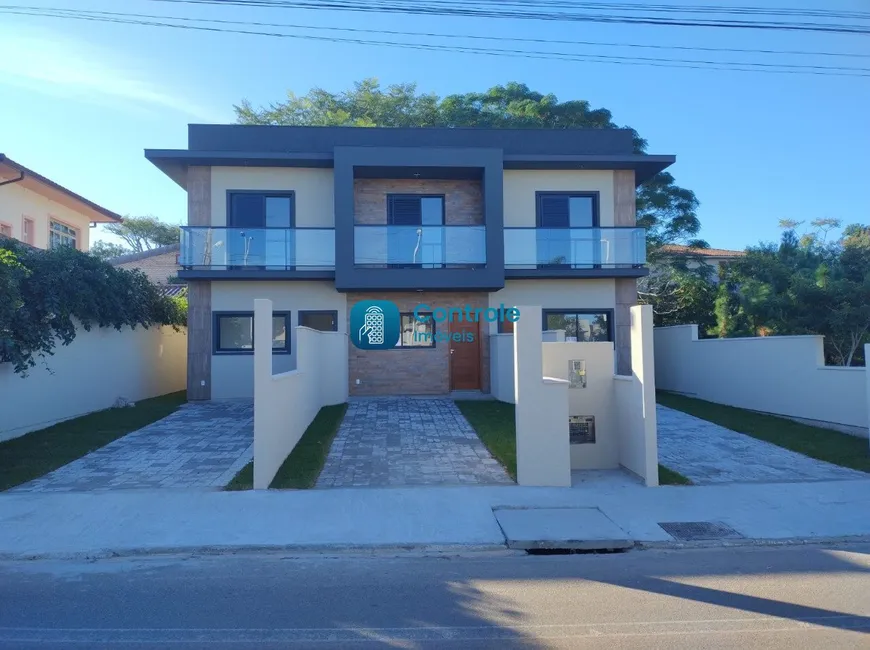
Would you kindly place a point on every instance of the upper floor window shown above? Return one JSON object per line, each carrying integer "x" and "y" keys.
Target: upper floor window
{"x": 261, "y": 209}
{"x": 5, "y": 229}
{"x": 28, "y": 231}
{"x": 62, "y": 235}
{"x": 415, "y": 210}
{"x": 567, "y": 209}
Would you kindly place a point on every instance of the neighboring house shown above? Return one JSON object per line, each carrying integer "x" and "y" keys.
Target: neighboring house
{"x": 39, "y": 212}
{"x": 319, "y": 218}
{"x": 714, "y": 257}
{"x": 159, "y": 264}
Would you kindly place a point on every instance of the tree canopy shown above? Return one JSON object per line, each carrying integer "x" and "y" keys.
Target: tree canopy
{"x": 105, "y": 250}
{"x": 666, "y": 210}
{"x": 144, "y": 233}
{"x": 803, "y": 285}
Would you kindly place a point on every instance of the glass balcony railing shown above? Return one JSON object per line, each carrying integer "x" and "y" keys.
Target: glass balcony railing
{"x": 427, "y": 247}
{"x": 279, "y": 249}
{"x": 574, "y": 248}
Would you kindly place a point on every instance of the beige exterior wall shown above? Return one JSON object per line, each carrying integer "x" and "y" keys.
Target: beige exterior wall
{"x": 80, "y": 378}
{"x": 313, "y": 187}
{"x": 18, "y": 203}
{"x": 232, "y": 375}
{"x": 783, "y": 375}
{"x": 520, "y": 187}
{"x": 555, "y": 294}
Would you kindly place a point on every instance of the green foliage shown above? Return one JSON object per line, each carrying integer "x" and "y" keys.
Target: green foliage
{"x": 107, "y": 250}
{"x": 803, "y": 285}
{"x": 48, "y": 294}
{"x": 144, "y": 233}
{"x": 681, "y": 295}
{"x": 667, "y": 211}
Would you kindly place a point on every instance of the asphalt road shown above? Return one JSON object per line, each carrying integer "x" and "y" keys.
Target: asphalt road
{"x": 786, "y": 597}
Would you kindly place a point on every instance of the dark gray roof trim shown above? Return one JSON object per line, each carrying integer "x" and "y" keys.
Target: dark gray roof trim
{"x": 291, "y": 146}
{"x": 154, "y": 252}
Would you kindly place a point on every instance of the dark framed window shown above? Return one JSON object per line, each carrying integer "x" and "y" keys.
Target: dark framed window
{"x": 325, "y": 321}
{"x": 565, "y": 238}
{"x": 582, "y": 325}
{"x": 411, "y": 247}
{"x": 417, "y": 334}
{"x": 234, "y": 332}
{"x": 260, "y": 222}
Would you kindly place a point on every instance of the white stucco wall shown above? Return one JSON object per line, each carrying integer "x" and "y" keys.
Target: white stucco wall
{"x": 555, "y": 294}
{"x": 313, "y": 187}
{"x": 90, "y": 374}
{"x": 286, "y": 403}
{"x": 16, "y": 203}
{"x": 784, "y": 375}
{"x": 520, "y": 186}
{"x": 232, "y": 375}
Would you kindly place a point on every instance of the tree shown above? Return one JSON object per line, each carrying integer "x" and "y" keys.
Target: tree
{"x": 105, "y": 250}
{"x": 803, "y": 285}
{"x": 667, "y": 211}
{"x": 144, "y": 233}
{"x": 680, "y": 295}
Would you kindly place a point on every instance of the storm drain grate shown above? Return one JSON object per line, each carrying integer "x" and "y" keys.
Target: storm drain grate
{"x": 696, "y": 531}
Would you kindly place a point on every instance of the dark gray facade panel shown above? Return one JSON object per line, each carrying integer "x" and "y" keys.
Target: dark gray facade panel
{"x": 350, "y": 278}
{"x": 259, "y": 274}
{"x": 283, "y": 139}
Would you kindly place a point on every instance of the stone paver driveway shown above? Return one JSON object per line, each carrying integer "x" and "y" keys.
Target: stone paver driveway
{"x": 708, "y": 453}
{"x": 408, "y": 441}
{"x": 199, "y": 446}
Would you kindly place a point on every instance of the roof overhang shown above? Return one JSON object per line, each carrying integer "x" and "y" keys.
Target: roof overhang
{"x": 21, "y": 176}
{"x": 174, "y": 162}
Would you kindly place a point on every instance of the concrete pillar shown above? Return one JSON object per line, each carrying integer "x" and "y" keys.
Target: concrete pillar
{"x": 262, "y": 384}
{"x": 199, "y": 318}
{"x": 543, "y": 449}
{"x": 643, "y": 367}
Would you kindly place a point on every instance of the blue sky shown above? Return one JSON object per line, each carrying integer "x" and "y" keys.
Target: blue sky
{"x": 79, "y": 101}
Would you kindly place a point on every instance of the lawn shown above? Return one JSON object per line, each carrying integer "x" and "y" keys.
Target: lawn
{"x": 823, "y": 444}
{"x": 305, "y": 462}
{"x": 35, "y": 454}
{"x": 495, "y": 426}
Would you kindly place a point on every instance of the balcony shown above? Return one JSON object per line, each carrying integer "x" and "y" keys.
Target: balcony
{"x": 419, "y": 247}
{"x": 567, "y": 252}
{"x": 306, "y": 250}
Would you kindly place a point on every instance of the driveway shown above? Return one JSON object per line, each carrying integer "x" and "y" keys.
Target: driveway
{"x": 707, "y": 453}
{"x": 201, "y": 445}
{"x": 394, "y": 441}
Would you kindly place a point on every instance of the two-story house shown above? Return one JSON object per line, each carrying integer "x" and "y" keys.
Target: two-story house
{"x": 43, "y": 214}
{"x": 319, "y": 218}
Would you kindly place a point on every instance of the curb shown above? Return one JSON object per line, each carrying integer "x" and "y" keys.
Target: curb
{"x": 408, "y": 549}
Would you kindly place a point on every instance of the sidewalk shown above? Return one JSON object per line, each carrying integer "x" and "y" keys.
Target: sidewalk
{"x": 133, "y": 522}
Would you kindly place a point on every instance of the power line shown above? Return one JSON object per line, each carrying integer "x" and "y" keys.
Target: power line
{"x": 531, "y": 54}
{"x": 440, "y": 35}
{"x": 482, "y": 9}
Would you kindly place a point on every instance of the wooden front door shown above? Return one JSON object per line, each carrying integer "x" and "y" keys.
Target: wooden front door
{"x": 464, "y": 355}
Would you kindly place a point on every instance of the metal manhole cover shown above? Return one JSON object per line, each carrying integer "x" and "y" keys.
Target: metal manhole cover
{"x": 696, "y": 531}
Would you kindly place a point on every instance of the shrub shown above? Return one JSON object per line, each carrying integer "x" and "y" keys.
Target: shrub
{"x": 46, "y": 295}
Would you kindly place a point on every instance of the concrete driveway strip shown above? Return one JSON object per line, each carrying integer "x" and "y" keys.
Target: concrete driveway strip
{"x": 707, "y": 454}
{"x": 201, "y": 445}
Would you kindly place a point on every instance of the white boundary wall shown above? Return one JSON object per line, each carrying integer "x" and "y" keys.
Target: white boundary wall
{"x": 285, "y": 404}
{"x": 90, "y": 374}
{"x": 783, "y": 375}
